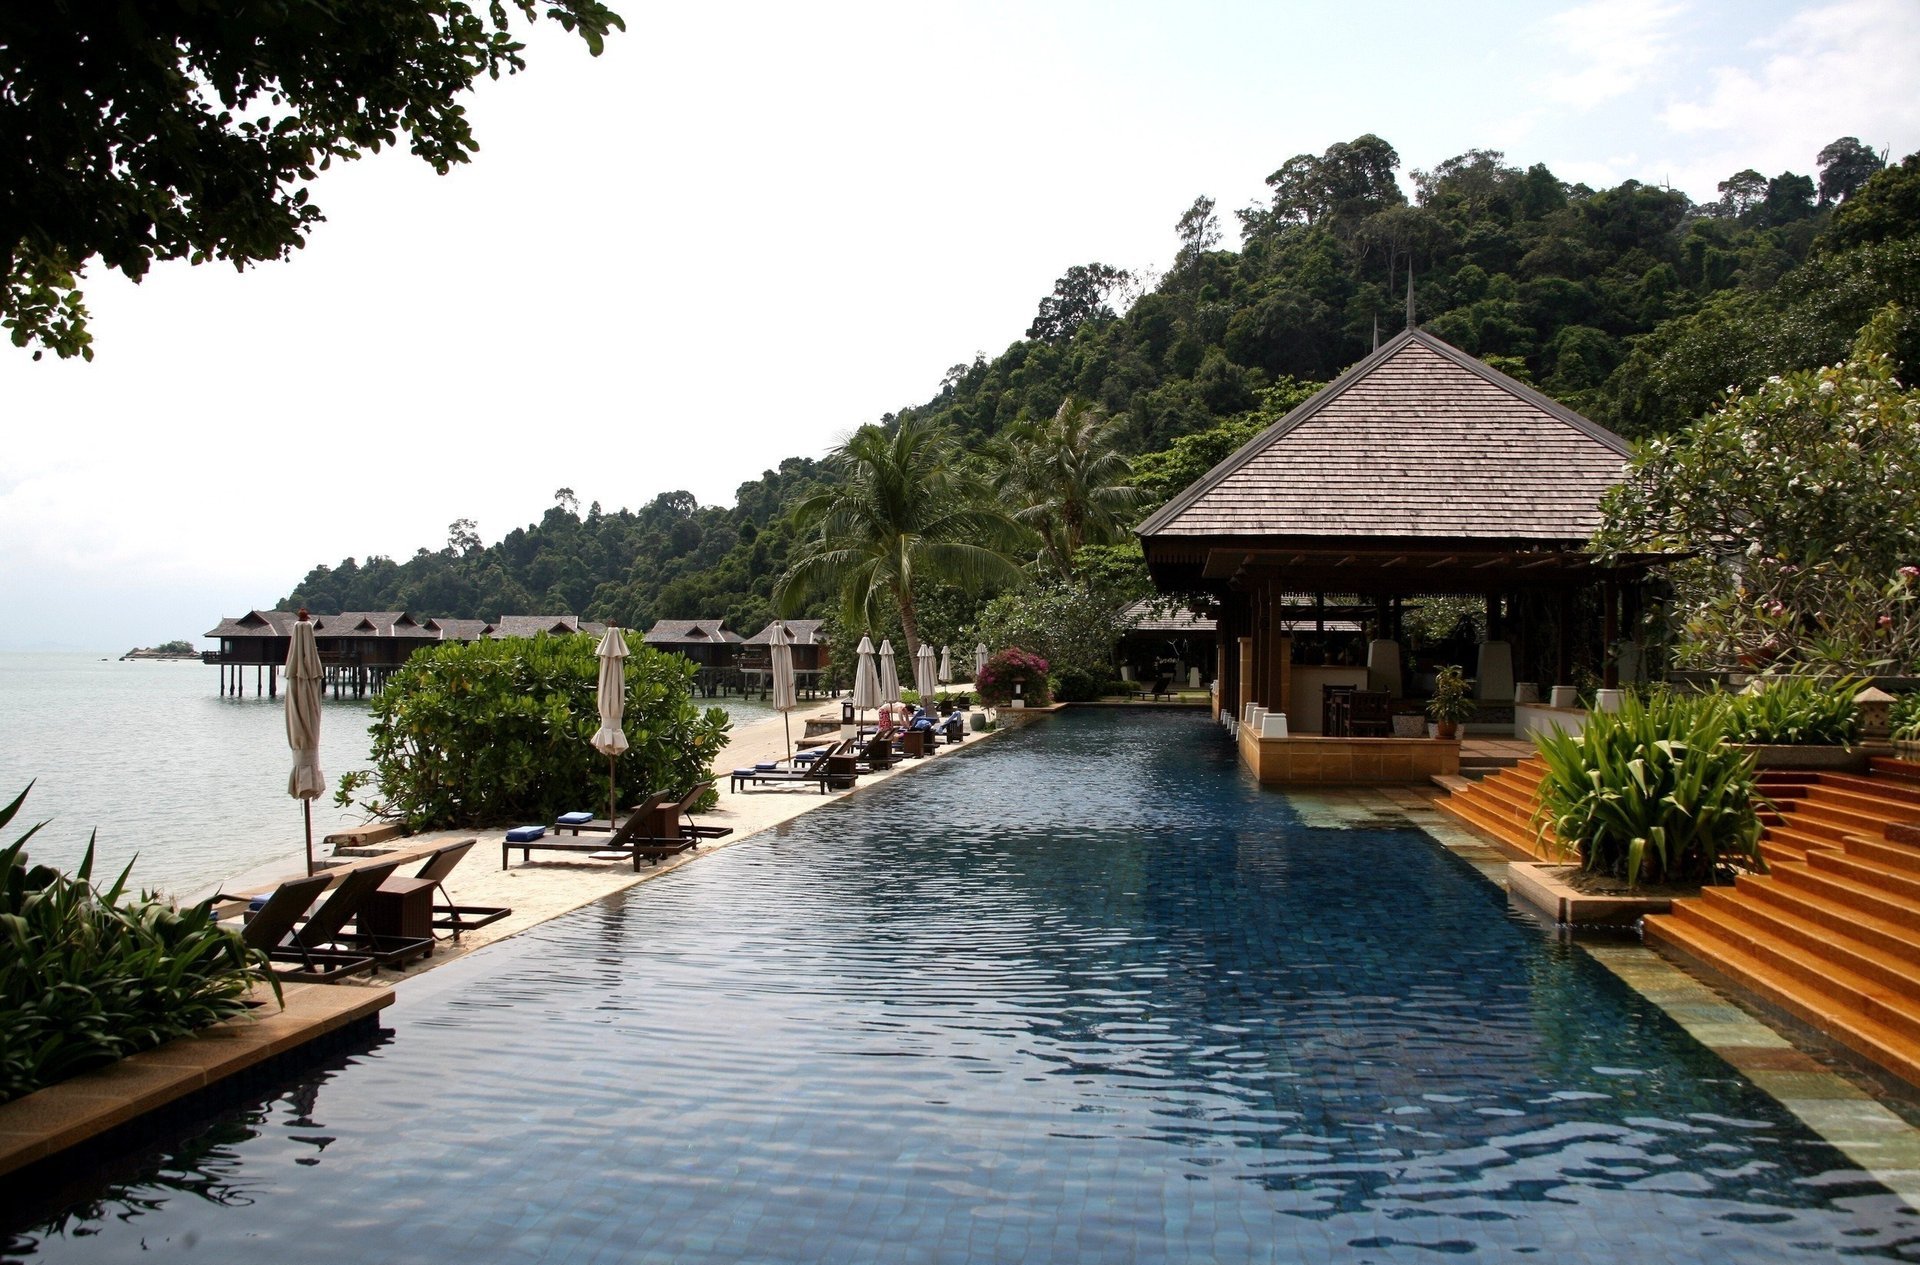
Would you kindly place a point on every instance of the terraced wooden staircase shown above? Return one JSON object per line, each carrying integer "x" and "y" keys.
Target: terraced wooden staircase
{"x": 1830, "y": 935}
{"x": 1501, "y": 806}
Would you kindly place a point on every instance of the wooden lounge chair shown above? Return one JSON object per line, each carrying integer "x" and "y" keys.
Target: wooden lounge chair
{"x": 448, "y": 916}
{"x": 836, "y": 770}
{"x": 1162, "y": 687}
{"x": 634, "y": 838}
{"x": 600, "y": 825}
{"x": 678, "y": 816}
{"x": 875, "y": 754}
{"x": 270, "y": 930}
{"x": 325, "y": 929}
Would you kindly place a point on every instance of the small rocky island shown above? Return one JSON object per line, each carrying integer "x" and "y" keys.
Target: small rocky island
{"x": 165, "y": 650}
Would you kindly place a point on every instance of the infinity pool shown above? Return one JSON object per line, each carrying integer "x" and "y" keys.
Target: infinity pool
{"x": 1083, "y": 993}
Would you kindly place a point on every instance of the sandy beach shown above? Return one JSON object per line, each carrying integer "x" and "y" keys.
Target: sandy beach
{"x": 553, "y": 883}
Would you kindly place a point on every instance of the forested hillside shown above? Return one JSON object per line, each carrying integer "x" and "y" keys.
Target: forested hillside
{"x": 1631, "y": 304}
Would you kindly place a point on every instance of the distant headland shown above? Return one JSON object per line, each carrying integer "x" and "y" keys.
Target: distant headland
{"x": 165, "y": 650}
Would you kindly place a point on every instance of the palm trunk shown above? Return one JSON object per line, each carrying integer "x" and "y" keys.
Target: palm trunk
{"x": 909, "y": 622}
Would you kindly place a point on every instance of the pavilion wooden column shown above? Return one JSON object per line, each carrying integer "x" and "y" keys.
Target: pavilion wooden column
{"x": 1245, "y": 695}
{"x": 1562, "y": 617}
{"x": 1609, "y": 633}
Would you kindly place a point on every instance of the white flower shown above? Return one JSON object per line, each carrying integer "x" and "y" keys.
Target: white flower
{"x": 1826, "y": 388}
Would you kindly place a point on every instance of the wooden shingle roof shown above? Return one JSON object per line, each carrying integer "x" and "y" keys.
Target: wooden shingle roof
{"x": 1150, "y": 616}
{"x": 681, "y": 632}
{"x": 800, "y": 632}
{"x": 1417, "y": 441}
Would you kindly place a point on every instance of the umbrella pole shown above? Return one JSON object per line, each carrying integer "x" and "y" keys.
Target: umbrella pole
{"x": 613, "y": 816}
{"x": 786, "y": 722}
{"x": 306, "y": 808}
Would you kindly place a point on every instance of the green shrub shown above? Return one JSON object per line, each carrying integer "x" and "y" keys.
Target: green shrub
{"x": 87, "y": 978}
{"x": 1010, "y": 667}
{"x": 1906, "y": 717}
{"x": 499, "y": 731}
{"x": 1797, "y": 711}
{"x": 1653, "y": 792}
{"x": 1077, "y": 685}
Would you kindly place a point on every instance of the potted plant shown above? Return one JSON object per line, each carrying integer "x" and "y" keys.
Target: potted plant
{"x": 1452, "y": 700}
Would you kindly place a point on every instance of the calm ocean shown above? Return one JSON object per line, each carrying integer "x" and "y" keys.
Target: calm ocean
{"x": 192, "y": 784}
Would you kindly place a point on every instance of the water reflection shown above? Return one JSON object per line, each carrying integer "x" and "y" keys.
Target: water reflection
{"x": 1083, "y": 993}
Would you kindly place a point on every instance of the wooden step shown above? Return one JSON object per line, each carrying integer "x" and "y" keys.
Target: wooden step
{"x": 1885, "y": 1004}
{"x": 1886, "y": 789}
{"x": 1875, "y": 1041}
{"x": 1867, "y": 797}
{"x": 1897, "y": 856}
{"x": 1881, "y": 878}
{"x": 1516, "y": 840}
{"x": 1888, "y": 766}
{"x": 1823, "y": 944}
{"x": 1849, "y": 891}
{"x": 1819, "y": 808}
{"x": 1814, "y": 907}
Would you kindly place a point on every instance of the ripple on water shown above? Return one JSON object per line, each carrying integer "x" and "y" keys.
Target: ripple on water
{"x": 1082, "y": 994}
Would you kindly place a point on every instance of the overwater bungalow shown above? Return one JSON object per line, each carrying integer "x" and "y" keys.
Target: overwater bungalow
{"x": 359, "y": 650}
{"x": 1421, "y": 472}
{"x": 811, "y": 656}
{"x": 713, "y": 647}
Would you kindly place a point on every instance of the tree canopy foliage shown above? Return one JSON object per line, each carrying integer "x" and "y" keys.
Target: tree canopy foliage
{"x": 170, "y": 129}
{"x": 1633, "y": 305}
{"x": 1790, "y": 515}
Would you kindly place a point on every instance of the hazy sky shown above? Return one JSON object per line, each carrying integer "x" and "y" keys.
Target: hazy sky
{"x": 747, "y": 229}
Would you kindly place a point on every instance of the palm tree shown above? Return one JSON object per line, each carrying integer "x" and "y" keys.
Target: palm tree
{"x": 1068, "y": 479}
{"x": 903, "y": 510}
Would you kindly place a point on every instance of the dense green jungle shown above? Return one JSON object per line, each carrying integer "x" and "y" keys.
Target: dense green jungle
{"x": 1633, "y": 305}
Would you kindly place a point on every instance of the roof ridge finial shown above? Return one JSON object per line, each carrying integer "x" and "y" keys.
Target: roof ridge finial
{"x": 1376, "y": 331}
{"x": 1409, "y": 294}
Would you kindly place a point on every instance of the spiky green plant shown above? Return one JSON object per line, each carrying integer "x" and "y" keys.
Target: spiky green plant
{"x": 90, "y": 976}
{"x": 1654, "y": 792}
{"x": 1797, "y": 711}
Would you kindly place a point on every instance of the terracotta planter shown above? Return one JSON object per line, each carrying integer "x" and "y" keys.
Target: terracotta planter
{"x": 1446, "y": 730}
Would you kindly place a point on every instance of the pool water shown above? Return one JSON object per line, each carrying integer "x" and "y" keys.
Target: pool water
{"x": 1082, "y": 993}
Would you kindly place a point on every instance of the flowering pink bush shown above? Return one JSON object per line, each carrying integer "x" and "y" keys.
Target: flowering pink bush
{"x": 1013, "y": 665}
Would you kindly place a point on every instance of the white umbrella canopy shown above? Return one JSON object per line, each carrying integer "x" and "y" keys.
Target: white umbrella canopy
{"x": 946, "y": 666}
{"x": 889, "y": 676}
{"x": 979, "y": 660}
{"x": 304, "y": 676}
{"x": 923, "y": 675}
{"x": 610, "y": 739}
{"x": 866, "y": 678}
{"x": 785, "y": 697}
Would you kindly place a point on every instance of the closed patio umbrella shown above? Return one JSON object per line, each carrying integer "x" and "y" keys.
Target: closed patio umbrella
{"x": 610, "y": 739}
{"x": 946, "y": 666}
{"x": 923, "y": 675}
{"x": 306, "y": 782}
{"x": 784, "y": 696}
{"x": 889, "y": 675}
{"x": 979, "y": 660}
{"x": 866, "y": 678}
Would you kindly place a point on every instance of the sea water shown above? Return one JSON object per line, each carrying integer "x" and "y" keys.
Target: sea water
{"x": 189, "y": 785}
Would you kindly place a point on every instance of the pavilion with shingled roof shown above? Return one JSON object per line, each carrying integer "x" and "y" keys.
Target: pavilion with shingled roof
{"x": 1420, "y": 472}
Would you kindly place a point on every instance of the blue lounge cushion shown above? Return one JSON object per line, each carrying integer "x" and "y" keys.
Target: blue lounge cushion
{"x": 525, "y": 834}
{"x": 574, "y": 819}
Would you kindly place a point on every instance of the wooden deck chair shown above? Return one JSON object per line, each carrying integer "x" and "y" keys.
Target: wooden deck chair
{"x": 448, "y": 916}
{"x": 684, "y": 810}
{"x": 325, "y": 929}
{"x": 270, "y": 930}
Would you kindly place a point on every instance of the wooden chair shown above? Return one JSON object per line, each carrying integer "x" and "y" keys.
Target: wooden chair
{"x": 448, "y": 916}
{"x": 1370, "y": 714}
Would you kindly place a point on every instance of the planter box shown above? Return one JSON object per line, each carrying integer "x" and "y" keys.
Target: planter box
{"x": 1837, "y": 759}
{"x": 1540, "y": 885}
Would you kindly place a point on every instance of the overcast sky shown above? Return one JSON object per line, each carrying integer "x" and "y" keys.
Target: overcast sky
{"x": 747, "y": 229}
